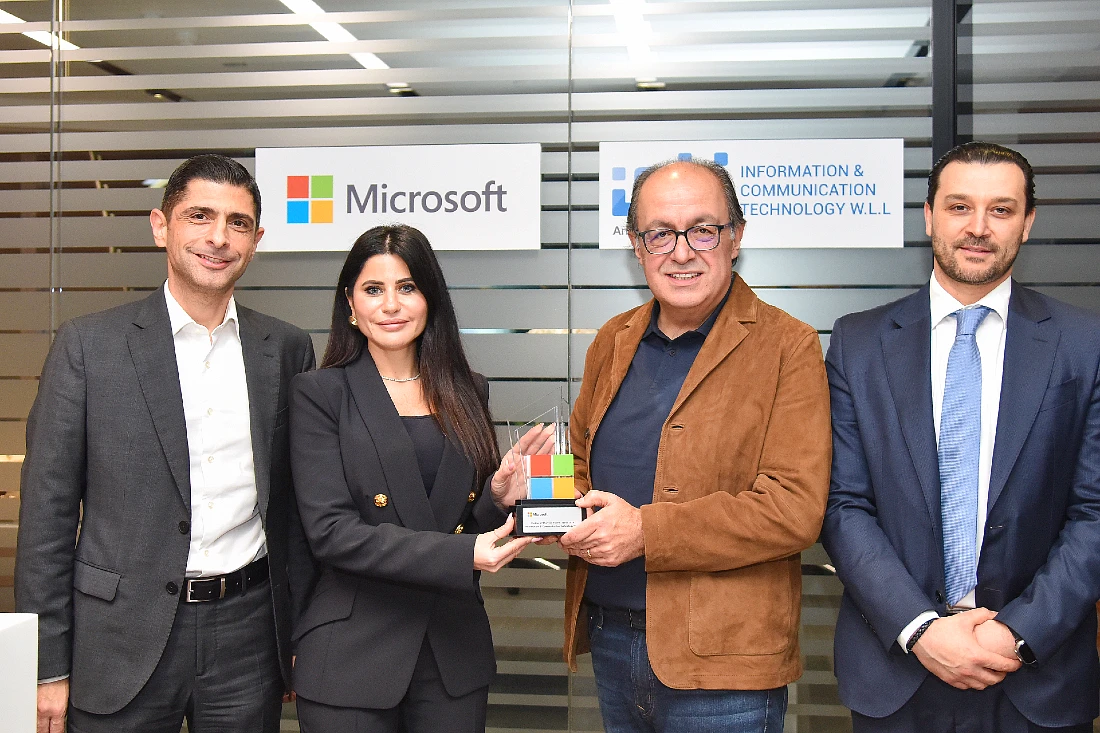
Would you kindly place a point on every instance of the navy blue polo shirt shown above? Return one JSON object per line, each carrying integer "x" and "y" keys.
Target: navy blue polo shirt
{"x": 623, "y": 460}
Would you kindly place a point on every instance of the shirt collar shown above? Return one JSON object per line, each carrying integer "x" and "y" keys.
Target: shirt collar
{"x": 943, "y": 304}
{"x": 179, "y": 319}
{"x": 702, "y": 330}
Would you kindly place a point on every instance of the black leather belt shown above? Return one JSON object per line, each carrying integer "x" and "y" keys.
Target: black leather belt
{"x": 625, "y": 616}
{"x": 203, "y": 590}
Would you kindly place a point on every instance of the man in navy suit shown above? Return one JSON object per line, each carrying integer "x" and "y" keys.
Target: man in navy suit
{"x": 964, "y": 510}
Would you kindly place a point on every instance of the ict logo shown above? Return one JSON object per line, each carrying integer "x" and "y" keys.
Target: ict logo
{"x": 620, "y": 206}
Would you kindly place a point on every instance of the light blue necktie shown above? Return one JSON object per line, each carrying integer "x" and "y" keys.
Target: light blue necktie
{"x": 960, "y": 439}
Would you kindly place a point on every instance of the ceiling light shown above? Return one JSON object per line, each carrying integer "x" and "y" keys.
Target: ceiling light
{"x": 164, "y": 95}
{"x": 43, "y": 37}
{"x": 334, "y": 32}
{"x": 634, "y": 30}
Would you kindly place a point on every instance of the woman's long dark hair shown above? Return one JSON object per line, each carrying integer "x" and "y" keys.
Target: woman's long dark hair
{"x": 445, "y": 374}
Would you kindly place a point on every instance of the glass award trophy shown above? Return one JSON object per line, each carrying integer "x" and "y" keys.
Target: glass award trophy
{"x": 550, "y": 507}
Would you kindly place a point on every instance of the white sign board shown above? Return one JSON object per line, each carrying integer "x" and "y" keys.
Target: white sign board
{"x": 462, "y": 197}
{"x": 18, "y": 672}
{"x": 795, "y": 193}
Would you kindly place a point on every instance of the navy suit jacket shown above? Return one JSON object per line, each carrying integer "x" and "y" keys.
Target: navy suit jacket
{"x": 1040, "y": 558}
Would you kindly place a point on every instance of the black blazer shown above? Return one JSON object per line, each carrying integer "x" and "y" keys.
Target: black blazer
{"x": 107, "y": 436}
{"x": 395, "y": 567}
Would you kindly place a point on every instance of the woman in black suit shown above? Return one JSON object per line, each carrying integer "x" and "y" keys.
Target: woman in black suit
{"x": 403, "y": 501}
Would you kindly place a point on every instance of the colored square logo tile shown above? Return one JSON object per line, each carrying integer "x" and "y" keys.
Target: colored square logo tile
{"x": 722, "y": 158}
{"x": 563, "y": 487}
{"x": 539, "y": 466}
{"x": 320, "y": 187}
{"x": 297, "y": 212}
{"x": 684, "y": 156}
{"x": 619, "y": 205}
{"x": 562, "y": 464}
{"x": 542, "y": 488}
{"x": 320, "y": 211}
{"x": 618, "y": 174}
{"x": 297, "y": 187}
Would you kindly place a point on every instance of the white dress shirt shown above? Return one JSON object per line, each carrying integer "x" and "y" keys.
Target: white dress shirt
{"x": 226, "y": 530}
{"x": 990, "y": 338}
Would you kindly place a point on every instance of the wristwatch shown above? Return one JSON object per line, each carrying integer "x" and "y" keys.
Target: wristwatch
{"x": 1023, "y": 651}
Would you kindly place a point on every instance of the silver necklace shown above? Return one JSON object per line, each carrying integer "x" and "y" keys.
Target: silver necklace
{"x": 406, "y": 379}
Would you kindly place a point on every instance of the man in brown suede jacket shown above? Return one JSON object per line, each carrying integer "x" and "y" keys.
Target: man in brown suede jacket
{"x": 702, "y": 434}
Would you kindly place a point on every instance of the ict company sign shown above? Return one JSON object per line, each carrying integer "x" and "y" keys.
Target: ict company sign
{"x": 795, "y": 193}
{"x": 463, "y": 197}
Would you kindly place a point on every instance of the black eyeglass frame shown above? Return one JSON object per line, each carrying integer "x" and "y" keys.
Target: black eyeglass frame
{"x": 684, "y": 233}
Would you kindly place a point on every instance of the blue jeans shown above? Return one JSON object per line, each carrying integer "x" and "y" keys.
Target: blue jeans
{"x": 633, "y": 700}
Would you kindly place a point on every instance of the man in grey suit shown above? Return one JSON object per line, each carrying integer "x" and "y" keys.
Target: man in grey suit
{"x": 159, "y": 541}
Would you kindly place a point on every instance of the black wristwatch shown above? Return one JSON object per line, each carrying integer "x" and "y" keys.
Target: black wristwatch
{"x": 1023, "y": 651}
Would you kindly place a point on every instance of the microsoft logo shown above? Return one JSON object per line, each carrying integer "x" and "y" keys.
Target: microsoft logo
{"x": 620, "y": 206}
{"x": 309, "y": 199}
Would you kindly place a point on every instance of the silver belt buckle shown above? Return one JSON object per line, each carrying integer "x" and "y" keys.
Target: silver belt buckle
{"x": 192, "y": 599}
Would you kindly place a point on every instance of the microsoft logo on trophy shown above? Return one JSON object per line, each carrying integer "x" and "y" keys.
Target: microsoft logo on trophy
{"x": 550, "y": 507}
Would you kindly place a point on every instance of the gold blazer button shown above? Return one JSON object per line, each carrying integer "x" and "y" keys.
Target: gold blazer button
{"x": 381, "y": 500}
{"x": 473, "y": 495}
{"x": 458, "y": 529}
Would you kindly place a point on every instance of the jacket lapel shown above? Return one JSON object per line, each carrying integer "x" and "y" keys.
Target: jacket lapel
{"x": 1030, "y": 346}
{"x": 723, "y": 338}
{"x": 453, "y": 483}
{"x": 154, "y": 354}
{"x": 395, "y": 448}
{"x": 626, "y": 345}
{"x": 261, "y": 371}
{"x": 907, "y": 354}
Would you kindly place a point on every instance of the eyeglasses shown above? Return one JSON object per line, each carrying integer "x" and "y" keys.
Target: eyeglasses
{"x": 701, "y": 238}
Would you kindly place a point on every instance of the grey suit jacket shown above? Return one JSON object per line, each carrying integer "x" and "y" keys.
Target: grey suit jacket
{"x": 107, "y": 452}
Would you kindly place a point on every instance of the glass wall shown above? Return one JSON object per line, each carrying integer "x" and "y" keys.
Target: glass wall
{"x": 90, "y": 130}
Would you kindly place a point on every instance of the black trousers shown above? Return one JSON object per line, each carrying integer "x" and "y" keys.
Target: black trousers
{"x": 426, "y": 708}
{"x": 219, "y": 671}
{"x": 937, "y": 707}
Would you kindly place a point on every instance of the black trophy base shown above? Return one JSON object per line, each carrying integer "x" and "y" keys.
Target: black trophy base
{"x": 546, "y": 517}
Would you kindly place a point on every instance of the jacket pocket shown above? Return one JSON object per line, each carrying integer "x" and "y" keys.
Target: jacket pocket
{"x": 1059, "y": 395}
{"x": 748, "y": 611}
{"x": 332, "y": 602}
{"x": 93, "y": 581}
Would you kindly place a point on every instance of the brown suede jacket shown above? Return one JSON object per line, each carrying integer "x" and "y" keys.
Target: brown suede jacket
{"x": 742, "y": 479}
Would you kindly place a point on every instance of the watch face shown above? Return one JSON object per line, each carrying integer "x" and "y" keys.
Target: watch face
{"x": 1024, "y": 653}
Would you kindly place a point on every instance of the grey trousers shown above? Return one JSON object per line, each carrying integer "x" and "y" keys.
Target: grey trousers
{"x": 219, "y": 671}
